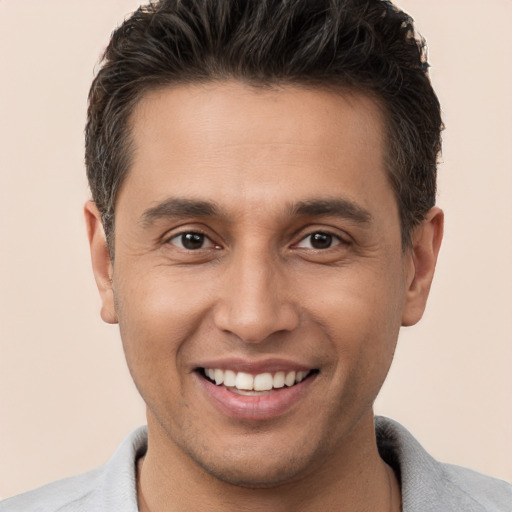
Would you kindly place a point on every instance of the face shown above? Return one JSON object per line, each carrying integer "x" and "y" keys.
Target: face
{"x": 259, "y": 279}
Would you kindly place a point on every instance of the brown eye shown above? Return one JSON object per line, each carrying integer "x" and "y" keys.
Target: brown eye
{"x": 319, "y": 240}
{"x": 191, "y": 241}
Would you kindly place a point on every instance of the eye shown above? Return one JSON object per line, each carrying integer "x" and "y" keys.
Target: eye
{"x": 191, "y": 241}
{"x": 319, "y": 240}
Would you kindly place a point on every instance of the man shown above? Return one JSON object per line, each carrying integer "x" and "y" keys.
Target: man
{"x": 263, "y": 222}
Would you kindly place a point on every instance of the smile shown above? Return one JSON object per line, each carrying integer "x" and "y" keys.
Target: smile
{"x": 245, "y": 383}
{"x": 256, "y": 390}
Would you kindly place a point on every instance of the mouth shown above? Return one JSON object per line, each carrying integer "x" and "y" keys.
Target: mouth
{"x": 257, "y": 390}
{"x": 247, "y": 384}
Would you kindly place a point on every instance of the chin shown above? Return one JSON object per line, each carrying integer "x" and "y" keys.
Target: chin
{"x": 256, "y": 459}
{"x": 253, "y": 472}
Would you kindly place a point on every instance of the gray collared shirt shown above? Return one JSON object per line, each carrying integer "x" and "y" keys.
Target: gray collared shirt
{"x": 427, "y": 485}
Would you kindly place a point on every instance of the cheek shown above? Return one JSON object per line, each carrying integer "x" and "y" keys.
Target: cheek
{"x": 361, "y": 314}
{"x": 364, "y": 341}
{"x": 157, "y": 313}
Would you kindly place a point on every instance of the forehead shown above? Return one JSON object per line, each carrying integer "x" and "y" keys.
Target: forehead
{"x": 256, "y": 145}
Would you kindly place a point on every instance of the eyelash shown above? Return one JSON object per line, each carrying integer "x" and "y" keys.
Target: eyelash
{"x": 182, "y": 234}
{"x": 331, "y": 238}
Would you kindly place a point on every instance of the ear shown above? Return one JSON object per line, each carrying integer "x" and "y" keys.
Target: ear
{"x": 101, "y": 262}
{"x": 421, "y": 262}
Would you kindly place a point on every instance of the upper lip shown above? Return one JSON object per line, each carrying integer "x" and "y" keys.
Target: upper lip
{"x": 255, "y": 367}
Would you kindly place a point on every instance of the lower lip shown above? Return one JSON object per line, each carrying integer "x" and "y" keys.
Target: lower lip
{"x": 262, "y": 407}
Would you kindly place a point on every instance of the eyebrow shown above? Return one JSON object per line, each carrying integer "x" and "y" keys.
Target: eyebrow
{"x": 183, "y": 207}
{"x": 333, "y": 207}
{"x": 178, "y": 207}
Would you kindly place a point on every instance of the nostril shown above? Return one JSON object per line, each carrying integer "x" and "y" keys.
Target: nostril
{"x": 254, "y": 317}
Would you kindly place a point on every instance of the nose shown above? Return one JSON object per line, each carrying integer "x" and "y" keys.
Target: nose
{"x": 255, "y": 299}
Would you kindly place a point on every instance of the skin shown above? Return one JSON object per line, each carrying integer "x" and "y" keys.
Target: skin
{"x": 258, "y": 288}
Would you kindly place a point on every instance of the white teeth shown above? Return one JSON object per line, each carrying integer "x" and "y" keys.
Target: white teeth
{"x": 300, "y": 376}
{"x": 218, "y": 377}
{"x": 244, "y": 381}
{"x": 229, "y": 378}
{"x": 257, "y": 383}
{"x": 289, "y": 380}
{"x": 263, "y": 382}
{"x": 247, "y": 393}
{"x": 278, "y": 380}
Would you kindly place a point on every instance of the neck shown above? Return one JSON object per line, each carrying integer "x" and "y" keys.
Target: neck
{"x": 353, "y": 479}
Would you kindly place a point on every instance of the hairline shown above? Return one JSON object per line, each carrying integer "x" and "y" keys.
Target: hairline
{"x": 341, "y": 88}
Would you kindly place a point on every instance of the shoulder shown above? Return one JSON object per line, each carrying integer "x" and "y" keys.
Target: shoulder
{"x": 70, "y": 494}
{"x": 489, "y": 493}
{"x": 110, "y": 487}
{"x": 429, "y": 485}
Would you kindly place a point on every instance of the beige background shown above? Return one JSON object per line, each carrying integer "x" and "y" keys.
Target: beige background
{"x": 66, "y": 399}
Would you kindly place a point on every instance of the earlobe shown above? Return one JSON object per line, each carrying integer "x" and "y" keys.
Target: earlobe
{"x": 101, "y": 262}
{"x": 426, "y": 242}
